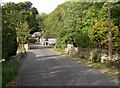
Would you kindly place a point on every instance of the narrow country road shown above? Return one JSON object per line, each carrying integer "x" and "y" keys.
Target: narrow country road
{"x": 43, "y": 67}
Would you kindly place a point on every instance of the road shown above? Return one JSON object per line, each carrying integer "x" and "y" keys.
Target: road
{"x": 43, "y": 67}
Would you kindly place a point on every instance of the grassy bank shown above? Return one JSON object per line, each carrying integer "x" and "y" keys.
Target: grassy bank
{"x": 9, "y": 71}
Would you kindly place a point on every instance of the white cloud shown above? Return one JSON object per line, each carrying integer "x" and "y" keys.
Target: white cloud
{"x": 46, "y": 6}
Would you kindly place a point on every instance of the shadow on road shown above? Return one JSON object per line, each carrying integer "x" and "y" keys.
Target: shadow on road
{"x": 45, "y": 71}
{"x": 40, "y": 47}
{"x": 48, "y": 56}
{"x": 55, "y": 70}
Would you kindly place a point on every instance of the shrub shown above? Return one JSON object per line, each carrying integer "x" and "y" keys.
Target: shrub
{"x": 94, "y": 56}
{"x": 94, "y": 59}
{"x": 115, "y": 63}
{"x": 32, "y": 40}
{"x": 99, "y": 33}
{"x": 9, "y": 48}
{"x": 78, "y": 38}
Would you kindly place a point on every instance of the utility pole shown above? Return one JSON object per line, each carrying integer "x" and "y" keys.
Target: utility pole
{"x": 109, "y": 34}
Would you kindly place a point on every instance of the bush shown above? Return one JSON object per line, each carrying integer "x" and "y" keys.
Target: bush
{"x": 115, "y": 63}
{"x": 99, "y": 33}
{"x": 94, "y": 59}
{"x": 69, "y": 36}
{"x": 94, "y": 56}
{"x": 32, "y": 40}
{"x": 9, "y": 48}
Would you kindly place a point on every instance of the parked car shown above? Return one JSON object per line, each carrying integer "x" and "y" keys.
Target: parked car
{"x": 51, "y": 41}
{"x": 47, "y": 41}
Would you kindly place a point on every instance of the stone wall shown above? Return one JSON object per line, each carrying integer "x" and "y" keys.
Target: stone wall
{"x": 92, "y": 54}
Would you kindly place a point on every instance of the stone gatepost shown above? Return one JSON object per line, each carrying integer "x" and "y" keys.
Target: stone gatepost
{"x": 26, "y": 46}
{"x": 76, "y": 50}
{"x": 70, "y": 48}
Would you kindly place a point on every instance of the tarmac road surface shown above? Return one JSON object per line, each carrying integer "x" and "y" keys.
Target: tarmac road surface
{"x": 43, "y": 67}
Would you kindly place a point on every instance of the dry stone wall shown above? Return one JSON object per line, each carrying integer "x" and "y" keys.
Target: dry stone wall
{"x": 90, "y": 54}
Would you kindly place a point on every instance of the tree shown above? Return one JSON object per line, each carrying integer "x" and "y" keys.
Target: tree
{"x": 22, "y": 30}
{"x": 40, "y": 19}
{"x": 53, "y": 22}
{"x": 67, "y": 24}
{"x": 28, "y": 13}
{"x": 9, "y": 42}
{"x": 73, "y": 22}
{"x": 17, "y": 21}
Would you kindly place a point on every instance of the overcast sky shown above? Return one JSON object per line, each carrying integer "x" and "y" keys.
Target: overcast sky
{"x": 45, "y": 6}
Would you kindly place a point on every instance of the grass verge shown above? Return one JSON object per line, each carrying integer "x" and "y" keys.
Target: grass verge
{"x": 9, "y": 71}
{"x": 110, "y": 71}
{"x": 59, "y": 51}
